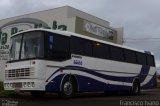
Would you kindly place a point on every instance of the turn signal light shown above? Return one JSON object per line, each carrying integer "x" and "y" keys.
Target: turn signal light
{"x": 33, "y": 62}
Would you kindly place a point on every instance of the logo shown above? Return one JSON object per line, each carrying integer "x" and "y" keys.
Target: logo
{"x": 29, "y": 23}
{"x": 19, "y": 25}
{"x": 98, "y": 30}
{"x": 3, "y": 41}
{"x": 3, "y": 38}
{"x": 77, "y": 62}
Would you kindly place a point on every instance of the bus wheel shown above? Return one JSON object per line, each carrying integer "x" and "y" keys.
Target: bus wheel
{"x": 68, "y": 87}
{"x": 136, "y": 88}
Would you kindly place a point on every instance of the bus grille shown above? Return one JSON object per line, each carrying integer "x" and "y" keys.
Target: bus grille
{"x": 19, "y": 73}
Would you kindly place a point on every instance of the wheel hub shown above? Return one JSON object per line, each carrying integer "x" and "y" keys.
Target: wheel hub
{"x": 67, "y": 88}
{"x": 136, "y": 89}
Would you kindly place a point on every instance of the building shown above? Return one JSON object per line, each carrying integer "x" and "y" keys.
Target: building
{"x": 62, "y": 18}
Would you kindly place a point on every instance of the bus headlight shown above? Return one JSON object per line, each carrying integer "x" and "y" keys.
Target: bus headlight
{"x": 28, "y": 84}
{"x": 5, "y": 85}
{"x": 8, "y": 85}
{"x": 11, "y": 84}
{"x": 24, "y": 84}
{"x": 32, "y": 84}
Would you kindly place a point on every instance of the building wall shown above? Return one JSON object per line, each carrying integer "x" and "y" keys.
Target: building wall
{"x": 11, "y": 25}
{"x": 58, "y": 18}
{"x": 74, "y": 12}
{"x": 119, "y": 39}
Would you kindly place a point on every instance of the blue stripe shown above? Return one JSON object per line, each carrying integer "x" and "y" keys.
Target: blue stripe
{"x": 94, "y": 84}
{"x": 144, "y": 72}
{"x": 107, "y": 77}
{"x": 55, "y": 85}
{"x": 151, "y": 84}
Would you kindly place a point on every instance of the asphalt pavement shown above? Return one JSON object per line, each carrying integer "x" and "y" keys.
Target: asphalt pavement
{"x": 146, "y": 98}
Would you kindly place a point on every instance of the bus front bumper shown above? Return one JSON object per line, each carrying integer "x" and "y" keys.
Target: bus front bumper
{"x": 24, "y": 85}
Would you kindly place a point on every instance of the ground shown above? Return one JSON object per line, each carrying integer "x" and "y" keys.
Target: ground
{"x": 147, "y": 98}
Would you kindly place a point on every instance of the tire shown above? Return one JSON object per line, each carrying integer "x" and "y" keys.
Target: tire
{"x": 37, "y": 93}
{"x": 68, "y": 88}
{"x": 136, "y": 89}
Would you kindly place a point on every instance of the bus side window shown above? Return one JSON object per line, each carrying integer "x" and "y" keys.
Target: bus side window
{"x": 141, "y": 58}
{"x": 81, "y": 46}
{"x": 130, "y": 56}
{"x": 100, "y": 50}
{"x": 150, "y": 60}
{"x": 58, "y": 47}
{"x": 116, "y": 53}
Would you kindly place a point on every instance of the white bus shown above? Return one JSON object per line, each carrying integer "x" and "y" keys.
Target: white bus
{"x": 44, "y": 60}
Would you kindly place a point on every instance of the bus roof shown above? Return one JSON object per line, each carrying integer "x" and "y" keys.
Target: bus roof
{"x": 67, "y": 33}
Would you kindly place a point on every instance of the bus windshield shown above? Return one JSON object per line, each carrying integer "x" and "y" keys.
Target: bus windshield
{"x": 26, "y": 46}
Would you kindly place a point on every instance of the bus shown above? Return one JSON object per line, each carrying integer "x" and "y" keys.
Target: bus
{"x": 44, "y": 60}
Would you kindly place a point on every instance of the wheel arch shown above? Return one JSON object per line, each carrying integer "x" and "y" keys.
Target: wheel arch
{"x": 136, "y": 79}
{"x": 132, "y": 90}
{"x": 71, "y": 76}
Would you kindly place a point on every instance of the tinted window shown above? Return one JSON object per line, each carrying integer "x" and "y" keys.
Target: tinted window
{"x": 141, "y": 58}
{"x": 117, "y": 53}
{"x": 150, "y": 60}
{"x": 58, "y": 47}
{"x": 32, "y": 45}
{"x": 15, "y": 47}
{"x": 81, "y": 46}
{"x": 130, "y": 56}
{"x": 100, "y": 50}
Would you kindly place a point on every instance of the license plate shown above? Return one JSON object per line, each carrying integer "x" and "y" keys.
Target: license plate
{"x": 17, "y": 85}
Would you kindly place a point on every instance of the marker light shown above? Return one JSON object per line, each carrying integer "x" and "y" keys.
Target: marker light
{"x": 98, "y": 44}
{"x": 33, "y": 62}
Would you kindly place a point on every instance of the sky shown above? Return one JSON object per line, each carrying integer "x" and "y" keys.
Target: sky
{"x": 139, "y": 18}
